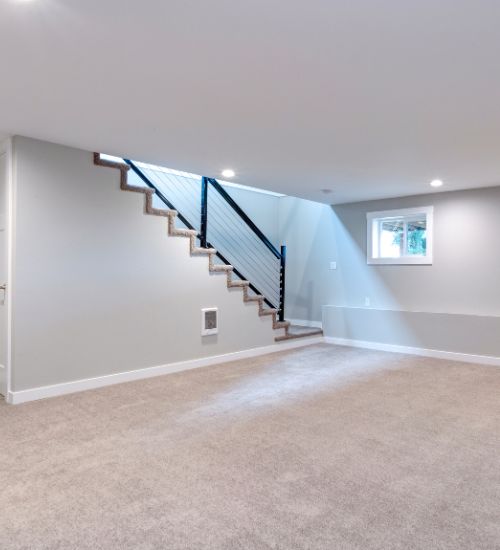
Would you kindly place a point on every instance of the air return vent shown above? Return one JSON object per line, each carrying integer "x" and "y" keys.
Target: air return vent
{"x": 209, "y": 321}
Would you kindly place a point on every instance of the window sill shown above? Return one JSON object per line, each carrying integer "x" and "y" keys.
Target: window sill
{"x": 400, "y": 261}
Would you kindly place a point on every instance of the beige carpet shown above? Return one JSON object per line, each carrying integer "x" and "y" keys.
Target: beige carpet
{"x": 316, "y": 448}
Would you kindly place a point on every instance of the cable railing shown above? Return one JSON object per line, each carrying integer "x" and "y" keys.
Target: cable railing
{"x": 204, "y": 205}
{"x": 242, "y": 242}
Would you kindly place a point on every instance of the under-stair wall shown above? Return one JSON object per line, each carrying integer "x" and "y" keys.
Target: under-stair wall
{"x": 100, "y": 288}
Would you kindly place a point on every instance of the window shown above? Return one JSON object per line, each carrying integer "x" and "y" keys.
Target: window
{"x": 400, "y": 236}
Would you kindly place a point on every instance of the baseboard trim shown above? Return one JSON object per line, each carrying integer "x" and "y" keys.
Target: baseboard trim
{"x": 43, "y": 392}
{"x": 306, "y": 323}
{"x": 450, "y": 355}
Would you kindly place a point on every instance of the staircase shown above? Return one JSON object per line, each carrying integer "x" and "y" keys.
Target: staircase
{"x": 234, "y": 245}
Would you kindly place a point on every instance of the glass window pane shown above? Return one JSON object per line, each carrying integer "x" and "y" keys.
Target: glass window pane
{"x": 400, "y": 236}
{"x": 417, "y": 238}
{"x": 391, "y": 238}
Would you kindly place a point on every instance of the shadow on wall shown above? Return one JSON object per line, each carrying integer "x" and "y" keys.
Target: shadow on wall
{"x": 305, "y": 228}
{"x": 304, "y": 301}
{"x": 357, "y": 281}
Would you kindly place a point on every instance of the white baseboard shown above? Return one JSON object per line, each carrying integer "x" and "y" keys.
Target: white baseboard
{"x": 17, "y": 397}
{"x": 450, "y": 355}
{"x": 306, "y": 323}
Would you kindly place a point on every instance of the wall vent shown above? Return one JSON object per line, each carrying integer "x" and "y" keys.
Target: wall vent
{"x": 209, "y": 321}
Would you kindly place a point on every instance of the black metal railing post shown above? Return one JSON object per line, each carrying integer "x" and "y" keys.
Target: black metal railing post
{"x": 281, "y": 315}
{"x": 204, "y": 212}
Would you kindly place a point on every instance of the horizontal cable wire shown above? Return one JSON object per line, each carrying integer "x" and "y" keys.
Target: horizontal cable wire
{"x": 249, "y": 252}
{"x": 251, "y": 269}
{"x": 240, "y": 259}
{"x": 251, "y": 273}
{"x": 225, "y": 212}
{"x": 234, "y": 242}
{"x": 182, "y": 191}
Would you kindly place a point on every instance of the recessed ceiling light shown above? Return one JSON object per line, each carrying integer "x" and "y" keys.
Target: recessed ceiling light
{"x": 228, "y": 173}
{"x": 436, "y": 183}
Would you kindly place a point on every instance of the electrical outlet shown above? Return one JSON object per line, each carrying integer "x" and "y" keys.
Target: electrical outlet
{"x": 333, "y": 265}
{"x": 367, "y": 302}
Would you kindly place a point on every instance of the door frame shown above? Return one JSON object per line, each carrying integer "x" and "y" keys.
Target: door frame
{"x": 7, "y": 147}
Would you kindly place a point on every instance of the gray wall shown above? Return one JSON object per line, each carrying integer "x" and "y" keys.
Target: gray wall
{"x": 3, "y": 271}
{"x": 451, "y": 332}
{"x": 94, "y": 277}
{"x": 452, "y": 305}
{"x": 465, "y": 275}
{"x": 99, "y": 287}
{"x": 463, "y": 279}
{"x": 308, "y": 229}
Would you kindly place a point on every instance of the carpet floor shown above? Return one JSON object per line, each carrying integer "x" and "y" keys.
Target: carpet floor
{"x": 316, "y": 448}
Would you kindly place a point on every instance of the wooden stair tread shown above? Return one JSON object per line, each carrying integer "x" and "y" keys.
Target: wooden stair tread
{"x": 295, "y": 332}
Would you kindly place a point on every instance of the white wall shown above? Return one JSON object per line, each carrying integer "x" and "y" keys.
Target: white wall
{"x": 99, "y": 287}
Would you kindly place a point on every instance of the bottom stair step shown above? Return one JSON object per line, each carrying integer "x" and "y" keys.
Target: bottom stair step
{"x": 295, "y": 331}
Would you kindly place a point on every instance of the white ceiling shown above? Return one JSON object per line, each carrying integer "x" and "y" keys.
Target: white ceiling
{"x": 369, "y": 98}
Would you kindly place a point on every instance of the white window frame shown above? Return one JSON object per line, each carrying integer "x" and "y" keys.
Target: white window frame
{"x": 373, "y": 218}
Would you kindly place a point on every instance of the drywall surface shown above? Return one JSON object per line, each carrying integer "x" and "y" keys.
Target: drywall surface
{"x": 100, "y": 288}
{"x": 464, "y": 278}
{"x": 308, "y": 229}
{"x": 465, "y": 275}
{"x": 3, "y": 272}
{"x": 450, "y": 332}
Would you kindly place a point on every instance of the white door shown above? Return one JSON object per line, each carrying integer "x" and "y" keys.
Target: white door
{"x": 3, "y": 273}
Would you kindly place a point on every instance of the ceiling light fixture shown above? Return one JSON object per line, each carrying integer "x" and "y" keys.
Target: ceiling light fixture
{"x": 436, "y": 183}
{"x": 228, "y": 173}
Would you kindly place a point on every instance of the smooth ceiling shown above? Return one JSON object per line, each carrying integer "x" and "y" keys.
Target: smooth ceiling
{"x": 370, "y": 99}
